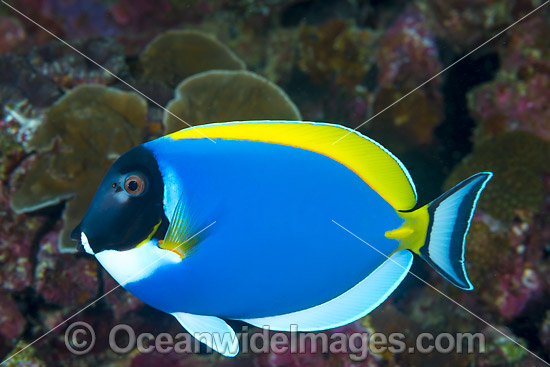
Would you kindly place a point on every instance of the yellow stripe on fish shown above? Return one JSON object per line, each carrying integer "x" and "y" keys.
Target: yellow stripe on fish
{"x": 370, "y": 161}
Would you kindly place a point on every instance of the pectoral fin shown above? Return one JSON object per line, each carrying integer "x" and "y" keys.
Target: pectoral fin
{"x": 183, "y": 234}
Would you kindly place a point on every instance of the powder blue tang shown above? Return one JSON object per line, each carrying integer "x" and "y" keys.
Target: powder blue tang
{"x": 274, "y": 223}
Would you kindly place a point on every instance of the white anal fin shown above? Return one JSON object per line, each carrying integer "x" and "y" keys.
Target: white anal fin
{"x": 349, "y": 306}
{"x": 210, "y": 330}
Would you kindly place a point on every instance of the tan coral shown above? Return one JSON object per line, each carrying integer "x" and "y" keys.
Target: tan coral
{"x": 82, "y": 134}
{"x": 336, "y": 50}
{"x": 518, "y": 160}
{"x": 175, "y": 55}
{"x": 410, "y": 123}
{"x": 218, "y": 96}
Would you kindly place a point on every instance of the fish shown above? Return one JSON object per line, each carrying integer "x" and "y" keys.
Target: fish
{"x": 286, "y": 225}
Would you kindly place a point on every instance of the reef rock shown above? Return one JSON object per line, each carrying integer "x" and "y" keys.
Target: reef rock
{"x": 175, "y": 55}
{"x": 218, "y": 96}
{"x": 83, "y": 133}
{"x": 62, "y": 280}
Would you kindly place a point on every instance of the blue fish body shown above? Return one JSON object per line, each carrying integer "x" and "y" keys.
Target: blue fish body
{"x": 272, "y": 223}
{"x": 273, "y": 248}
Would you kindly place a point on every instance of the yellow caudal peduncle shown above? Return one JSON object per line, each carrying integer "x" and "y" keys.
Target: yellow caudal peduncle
{"x": 412, "y": 234}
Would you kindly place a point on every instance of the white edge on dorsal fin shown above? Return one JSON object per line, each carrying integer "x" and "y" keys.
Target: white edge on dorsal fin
{"x": 210, "y": 330}
{"x": 350, "y": 305}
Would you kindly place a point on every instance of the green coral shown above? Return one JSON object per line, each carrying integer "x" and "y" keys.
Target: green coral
{"x": 175, "y": 55}
{"x": 218, "y": 96}
{"x": 409, "y": 123}
{"x": 518, "y": 160}
{"x": 23, "y": 355}
{"x": 482, "y": 248}
{"x": 82, "y": 134}
{"x": 337, "y": 50}
{"x": 10, "y": 151}
{"x": 502, "y": 348}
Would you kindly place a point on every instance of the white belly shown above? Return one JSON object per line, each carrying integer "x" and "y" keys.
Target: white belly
{"x": 136, "y": 264}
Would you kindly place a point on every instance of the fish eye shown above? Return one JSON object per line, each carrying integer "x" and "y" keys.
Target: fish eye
{"x": 135, "y": 184}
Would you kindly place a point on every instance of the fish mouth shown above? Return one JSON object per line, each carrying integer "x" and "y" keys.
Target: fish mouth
{"x": 84, "y": 245}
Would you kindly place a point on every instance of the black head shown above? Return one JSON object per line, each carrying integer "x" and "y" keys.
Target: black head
{"x": 127, "y": 206}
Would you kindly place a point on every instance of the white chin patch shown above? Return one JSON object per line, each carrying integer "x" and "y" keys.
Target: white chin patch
{"x": 86, "y": 244}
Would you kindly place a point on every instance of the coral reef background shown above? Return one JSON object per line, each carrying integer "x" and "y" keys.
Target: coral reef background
{"x": 64, "y": 120}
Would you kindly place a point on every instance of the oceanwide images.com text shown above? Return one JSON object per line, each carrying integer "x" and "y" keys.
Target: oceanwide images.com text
{"x": 80, "y": 339}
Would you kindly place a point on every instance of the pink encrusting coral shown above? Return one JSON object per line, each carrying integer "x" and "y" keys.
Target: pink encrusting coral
{"x": 12, "y": 33}
{"x": 507, "y": 268}
{"x": 408, "y": 54}
{"x": 121, "y": 302}
{"x": 518, "y": 98}
{"x": 407, "y": 57}
{"x": 336, "y": 51}
{"x": 465, "y": 24}
{"x": 343, "y": 346}
{"x": 18, "y": 234}
{"x": 526, "y": 278}
{"x": 62, "y": 280}
{"x": 509, "y": 104}
{"x": 12, "y": 321}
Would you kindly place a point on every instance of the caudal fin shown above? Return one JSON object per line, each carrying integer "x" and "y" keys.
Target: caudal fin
{"x": 449, "y": 221}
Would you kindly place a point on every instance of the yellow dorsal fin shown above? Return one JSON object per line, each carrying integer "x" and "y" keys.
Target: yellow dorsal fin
{"x": 380, "y": 169}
